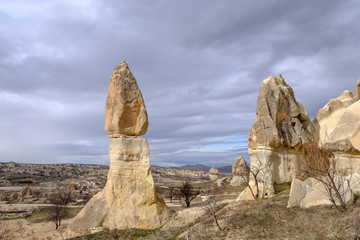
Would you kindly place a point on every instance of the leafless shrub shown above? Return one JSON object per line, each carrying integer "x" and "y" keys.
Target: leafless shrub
{"x": 188, "y": 192}
{"x": 321, "y": 165}
{"x": 171, "y": 193}
{"x": 212, "y": 204}
{"x": 178, "y": 195}
{"x": 259, "y": 178}
{"x": 60, "y": 198}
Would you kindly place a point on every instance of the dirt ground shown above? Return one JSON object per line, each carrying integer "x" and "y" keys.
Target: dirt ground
{"x": 263, "y": 219}
{"x": 23, "y": 229}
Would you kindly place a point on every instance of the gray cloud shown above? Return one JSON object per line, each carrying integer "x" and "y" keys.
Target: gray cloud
{"x": 199, "y": 65}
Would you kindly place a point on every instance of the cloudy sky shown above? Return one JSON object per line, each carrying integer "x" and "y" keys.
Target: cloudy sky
{"x": 199, "y": 65}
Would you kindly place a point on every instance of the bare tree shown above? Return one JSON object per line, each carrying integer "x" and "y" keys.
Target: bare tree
{"x": 259, "y": 178}
{"x": 212, "y": 205}
{"x": 321, "y": 165}
{"x": 178, "y": 195}
{"x": 171, "y": 193}
{"x": 187, "y": 190}
{"x": 60, "y": 198}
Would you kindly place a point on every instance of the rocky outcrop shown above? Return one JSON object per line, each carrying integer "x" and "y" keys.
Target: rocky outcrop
{"x": 129, "y": 199}
{"x": 223, "y": 181}
{"x": 125, "y": 112}
{"x": 357, "y": 90}
{"x": 282, "y": 127}
{"x": 299, "y": 190}
{"x": 312, "y": 193}
{"x": 26, "y": 191}
{"x": 169, "y": 172}
{"x": 214, "y": 173}
{"x": 281, "y": 122}
{"x": 338, "y": 124}
{"x": 240, "y": 171}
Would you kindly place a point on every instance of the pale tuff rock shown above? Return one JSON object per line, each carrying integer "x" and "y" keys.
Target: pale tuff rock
{"x": 177, "y": 172}
{"x": 299, "y": 190}
{"x": 240, "y": 167}
{"x": 214, "y": 173}
{"x": 125, "y": 112}
{"x": 222, "y": 181}
{"x": 262, "y": 192}
{"x": 240, "y": 171}
{"x": 281, "y": 129}
{"x": 357, "y": 90}
{"x": 129, "y": 199}
{"x": 26, "y": 191}
{"x": 338, "y": 125}
{"x": 354, "y": 183}
{"x": 281, "y": 121}
{"x": 312, "y": 193}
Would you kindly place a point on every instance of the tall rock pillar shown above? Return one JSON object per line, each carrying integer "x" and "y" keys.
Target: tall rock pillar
{"x": 129, "y": 199}
{"x": 282, "y": 127}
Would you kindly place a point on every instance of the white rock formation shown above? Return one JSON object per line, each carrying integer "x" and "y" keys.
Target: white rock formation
{"x": 305, "y": 196}
{"x": 280, "y": 130}
{"x": 240, "y": 171}
{"x": 129, "y": 199}
{"x": 338, "y": 124}
{"x": 214, "y": 173}
{"x": 125, "y": 112}
{"x": 299, "y": 190}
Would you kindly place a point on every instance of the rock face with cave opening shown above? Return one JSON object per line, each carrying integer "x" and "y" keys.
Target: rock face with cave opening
{"x": 129, "y": 199}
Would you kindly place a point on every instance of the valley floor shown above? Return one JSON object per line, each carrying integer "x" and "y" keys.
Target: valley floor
{"x": 264, "y": 219}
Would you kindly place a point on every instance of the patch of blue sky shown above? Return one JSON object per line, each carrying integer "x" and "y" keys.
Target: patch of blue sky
{"x": 222, "y": 144}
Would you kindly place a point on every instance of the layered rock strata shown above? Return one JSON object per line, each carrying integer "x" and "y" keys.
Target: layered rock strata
{"x": 129, "y": 199}
{"x": 214, "y": 173}
{"x": 281, "y": 129}
{"x": 240, "y": 172}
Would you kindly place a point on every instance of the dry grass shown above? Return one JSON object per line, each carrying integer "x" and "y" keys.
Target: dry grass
{"x": 266, "y": 219}
{"x": 271, "y": 219}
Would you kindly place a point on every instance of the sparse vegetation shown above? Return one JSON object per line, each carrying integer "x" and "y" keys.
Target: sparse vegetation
{"x": 258, "y": 179}
{"x": 188, "y": 192}
{"x": 321, "y": 165}
{"x": 262, "y": 219}
{"x": 212, "y": 205}
{"x": 116, "y": 234}
{"x": 60, "y": 198}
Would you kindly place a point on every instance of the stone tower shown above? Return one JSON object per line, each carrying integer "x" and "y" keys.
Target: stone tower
{"x": 129, "y": 199}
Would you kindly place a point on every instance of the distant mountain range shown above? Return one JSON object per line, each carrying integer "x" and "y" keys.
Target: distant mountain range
{"x": 200, "y": 167}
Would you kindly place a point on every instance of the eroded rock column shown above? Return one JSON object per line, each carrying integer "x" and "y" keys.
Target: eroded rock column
{"x": 129, "y": 199}
{"x": 240, "y": 172}
{"x": 282, "y": 127}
